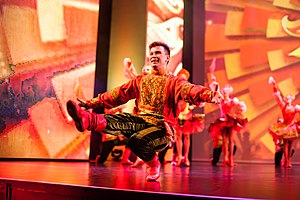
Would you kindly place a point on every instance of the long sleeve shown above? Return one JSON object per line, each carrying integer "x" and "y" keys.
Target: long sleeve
{"x": 194, "y": 94}
{"x": 278, "y": 96}
{"x": 117, "y": 96}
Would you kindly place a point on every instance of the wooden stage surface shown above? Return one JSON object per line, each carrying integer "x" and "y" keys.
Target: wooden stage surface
{"x": 84, "y": 180}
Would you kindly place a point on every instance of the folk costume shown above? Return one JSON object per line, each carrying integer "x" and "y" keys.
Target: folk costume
{"x": 156, "y": 95}
{"x": 231, "y": 120}
{"x": 286, "y": 130}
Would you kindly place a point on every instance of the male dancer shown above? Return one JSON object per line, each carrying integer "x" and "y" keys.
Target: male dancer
{"x": 157, "y": 95}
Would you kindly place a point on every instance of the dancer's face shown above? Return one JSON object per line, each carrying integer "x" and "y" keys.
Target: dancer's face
{"x": 159, "y": 58}
{"x": 289, "y": 98}
{"x": 227, "y": 91}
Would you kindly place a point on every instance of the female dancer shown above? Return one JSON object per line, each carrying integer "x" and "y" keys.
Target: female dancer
{"x": 231, "y": 120}
{"x": 287, "y": 130}
{"x": 231, "y": 113}
{"x": 187, "y": 124}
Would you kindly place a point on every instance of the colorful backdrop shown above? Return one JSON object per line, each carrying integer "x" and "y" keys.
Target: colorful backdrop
{"x": 47, "y": 56}
{"x": 48, "y": 53}
{"x": 253, "y": 40}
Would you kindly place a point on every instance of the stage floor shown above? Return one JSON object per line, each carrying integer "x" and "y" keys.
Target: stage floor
{"x": 201, "y": 180}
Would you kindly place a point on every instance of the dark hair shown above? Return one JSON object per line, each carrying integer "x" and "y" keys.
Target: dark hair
{"x": 158, "y": 43}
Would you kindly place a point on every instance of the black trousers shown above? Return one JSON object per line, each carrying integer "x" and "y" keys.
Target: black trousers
{"x": 146, "y": 134}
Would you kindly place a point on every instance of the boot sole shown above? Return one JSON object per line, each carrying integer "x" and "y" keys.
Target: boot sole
{"x": 71, "y": 108}
{"x": 152, "y": 179}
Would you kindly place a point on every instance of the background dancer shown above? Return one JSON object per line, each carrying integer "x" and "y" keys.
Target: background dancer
{"x": 286, "y": 130}
{"x": 231, "y": 120}
{"x": 187, "y": 123}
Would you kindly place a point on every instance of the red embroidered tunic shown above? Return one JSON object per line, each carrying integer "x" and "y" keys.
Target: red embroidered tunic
{"x": 155, "y": 94}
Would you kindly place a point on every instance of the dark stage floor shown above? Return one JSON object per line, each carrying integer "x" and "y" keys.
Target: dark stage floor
{"x": 83, "y": 180}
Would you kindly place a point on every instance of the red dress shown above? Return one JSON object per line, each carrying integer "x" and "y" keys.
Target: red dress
{"x": 188, "y": 123}
{"x": 288, "y": 128}
{"x": 231, "y": 117}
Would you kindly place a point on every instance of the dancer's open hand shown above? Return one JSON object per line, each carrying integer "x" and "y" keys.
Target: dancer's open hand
{"x": 217, "y": 96}
{"x": 272, "y": 80}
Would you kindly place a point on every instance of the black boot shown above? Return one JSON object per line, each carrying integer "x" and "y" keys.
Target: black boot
{"x": 278, "y": 157}
{"x": 161, "y": 156}
{"x": 216, "y": 155}
{"x": 234, "y": 149}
